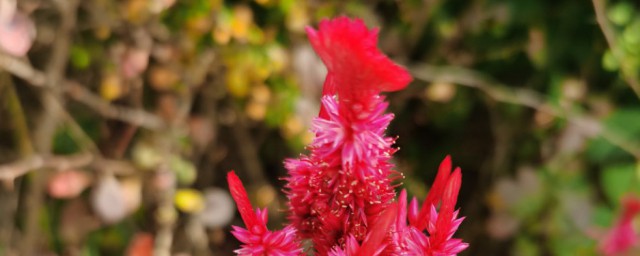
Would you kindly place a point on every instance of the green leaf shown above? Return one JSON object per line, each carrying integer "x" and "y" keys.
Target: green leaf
{"x": 621, "y": 13}
{"x": 609, "y": 62}
{"x": 525, "y": 246}
{"x": 631, "y": 34}
{"x": 626, "y": 123}
{"x": 603, "y": 216}
{"x": 623, "y": 123}
{"x": 80, "y": 57}
{"x": 63, "y": 142}
{"x": 185, "y": 171}
{"x": 618, "y": 181}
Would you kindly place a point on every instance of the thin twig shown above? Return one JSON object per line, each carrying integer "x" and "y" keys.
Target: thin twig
{"x": 25, "y": 148}
{"x": 49, "y": 121}
{"x": 247, "y": 149}
{"x": 22, "y": 69}
{"x": 164, "y": 235}
{"x": 629, "y": 75}
{"x": 132, "y": 116}
{"x": 16, "y": 169}
{"x": 524, "y": 97}
{"x": 9, "y": 171}
{"x": 79, "y": 93}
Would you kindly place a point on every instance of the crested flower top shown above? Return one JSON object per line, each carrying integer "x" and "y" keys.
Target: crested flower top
{"x": 356, "y": 68}
{"x": 342, "y": 193}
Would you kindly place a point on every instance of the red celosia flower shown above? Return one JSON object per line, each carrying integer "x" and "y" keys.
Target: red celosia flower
{"x": 341, "y": 188}
{"x": 622, "y": 236}
{"x": 256, "y": 238}
{"x": 341, "y": 195}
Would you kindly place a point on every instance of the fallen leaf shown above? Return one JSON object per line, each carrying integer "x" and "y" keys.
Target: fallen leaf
{"x": 111, "y": 87}
{"x": 68, "y": 184}
{"x": 219, "y": 208}
{"x": 162, "y": 78}
{"x": 134, "y": 62}
{"x": 132, "y": 190}
{"x": 141, "y": 245}
{"x": 109, "y": 201}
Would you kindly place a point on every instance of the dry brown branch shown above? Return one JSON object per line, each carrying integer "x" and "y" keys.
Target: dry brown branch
{"x": 129, "y": 115}
{"x": 22, "y": 69}
{"x": 21, "y": 167}
{"x": 21, "y": 131}
{"x": 599, "y": 7}
{"x": 524, "y": 97}
{"x": 49, "y": 120}
{"x": 80, "y": 93}
{"x": 16, "y": 169}
{"x": 166, "y": 210}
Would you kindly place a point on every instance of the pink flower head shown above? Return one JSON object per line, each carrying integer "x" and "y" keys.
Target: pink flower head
{"x": 256, "y": 238}
{"x": 342, "y": 193}
{"x": 622, "y": 236}
{"x": 342, "y": 186}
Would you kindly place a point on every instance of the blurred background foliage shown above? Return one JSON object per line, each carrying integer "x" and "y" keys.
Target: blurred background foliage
{"x": 121, "y": 118}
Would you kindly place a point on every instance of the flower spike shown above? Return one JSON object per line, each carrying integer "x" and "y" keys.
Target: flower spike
{"x": 341, "y": 194}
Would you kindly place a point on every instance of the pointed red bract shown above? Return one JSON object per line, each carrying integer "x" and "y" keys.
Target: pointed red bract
{"x": 239, "y": 194}
{"x": 435, "y": 193}
{"x": 373, "y": 243}
{"x": 446, "y": 214}
{"x": 256, "y": 239}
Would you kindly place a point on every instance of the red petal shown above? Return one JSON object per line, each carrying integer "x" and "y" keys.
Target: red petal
{"x": 378, "y": 231}
{"x": 435, "y": 193}
{"x": 631, "y": 209}
{"x": 239, "y": 195}
{"x": 355, "y": 65}
{"x": 445, "y": 216}
{"x": 401, "y": 220}
{"x": 413, "y": 213}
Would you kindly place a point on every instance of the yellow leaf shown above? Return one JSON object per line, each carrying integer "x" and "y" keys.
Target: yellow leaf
{"x": 256, "y": 110}
{"x": 189, "y": 200}
{"x": 111, "y": 88}
{"x": 440, "y": 92}
{"x": 237, "y": 83}
{"x": 242, "y": 20}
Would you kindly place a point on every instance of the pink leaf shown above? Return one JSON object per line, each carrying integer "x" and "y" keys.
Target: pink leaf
{"x": 17, "y": 34}
{"x": 68, "y": 184}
